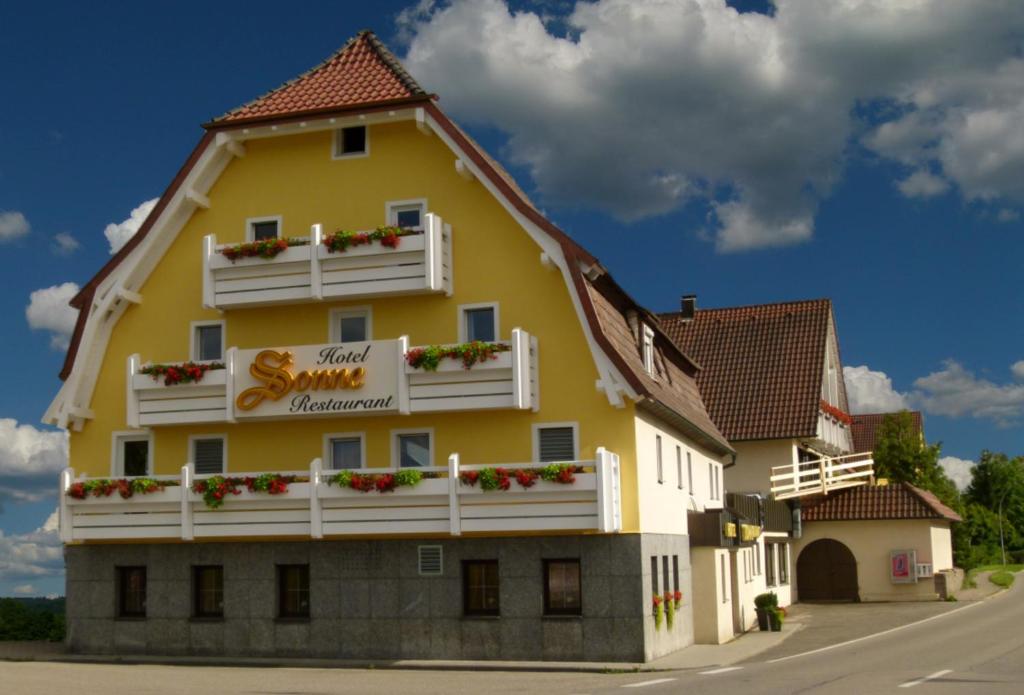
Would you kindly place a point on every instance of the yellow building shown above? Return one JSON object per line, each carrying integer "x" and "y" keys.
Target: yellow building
{"x": 448, "y": 435}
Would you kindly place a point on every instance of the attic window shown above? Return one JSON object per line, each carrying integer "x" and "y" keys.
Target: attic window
{"x": 351, "y": 142}
{"x": 647, "y": 347}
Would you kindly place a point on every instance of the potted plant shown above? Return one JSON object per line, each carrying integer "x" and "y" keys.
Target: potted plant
{"x": 775, "y": 618}
{"x": 765, "y": 604}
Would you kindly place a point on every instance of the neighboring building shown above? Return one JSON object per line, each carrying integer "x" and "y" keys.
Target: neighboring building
{"x": 313, "y": 359}
{"x": 867, "y": 427}
{"x": 875, "y": 543}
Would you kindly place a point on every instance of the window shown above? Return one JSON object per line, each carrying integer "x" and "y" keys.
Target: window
{"x": 131, "y": 592}
{"x": 657, "y": 445}
{"x": 711, "y": 480}
{"x": 552, "y": 443}
{"x": 208, "y": 591}
{"x": 755, "y": 554}
{"x": 723, "y": 568}
{"x": 344, "y": 451}
{"x": 675, "y": 573}
{"x": 480, "y": 587}
{"x": 478, "y": 322}
{"x": 260, "y": 228}
{"x": 664, "y": 571}
{"x": 412, "y": 449}
{"x": 352, "y": 325}
{"x": 207, "y": 341}
{"x": 770, "y": 553}
{"x": 679, "y": 467}
{"x": 718, "y": 483}
{"x": 562, "y": 587}
{"x": 784, "y": 563}
{"x": 654, "y": 575}
{"x": 648, "y": 350}
{"x": 689, "y": 472}
{"x": 208, "y": 454}
{"x": 350, "y": 142}
{"x": 132, "y": 454}
{"x": 408, "y": 214}
{"x": 293, "y": 591}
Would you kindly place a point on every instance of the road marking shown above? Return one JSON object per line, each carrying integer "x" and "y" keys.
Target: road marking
{"x": 877, "y": 634}
{"x": 646, "y": 683}
{"x": 721, "y": 670}
{"x": 919, "y": 681}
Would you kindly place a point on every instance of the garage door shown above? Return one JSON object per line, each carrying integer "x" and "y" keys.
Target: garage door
{"x": 826, "y": 571}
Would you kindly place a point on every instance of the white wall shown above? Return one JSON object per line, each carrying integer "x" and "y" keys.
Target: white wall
{"x": 663, "y": 505}
{"x": 712, "y": 615}
{"x": 782, "y": 590}
{"x": 746, "y": 585}
{"x": 754, "y": 461}
{"x": 942, "y": 546}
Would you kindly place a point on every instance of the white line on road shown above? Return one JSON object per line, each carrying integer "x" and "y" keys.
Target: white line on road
{"x": 919, "y": 681}
{"x": 877, "y": 634}
{"x": 721, "y": 670}
{"x": 646, "y": 683}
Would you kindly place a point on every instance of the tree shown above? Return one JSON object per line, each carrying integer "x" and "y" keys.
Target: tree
{"x": 902, "y": 455}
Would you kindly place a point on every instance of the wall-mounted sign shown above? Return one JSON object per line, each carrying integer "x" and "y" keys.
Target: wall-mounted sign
{"x": 306, "y": 380}
{"x": 730, "y": 530}
{"x": 903, "y": 566}
{"x": 749, "y": 532}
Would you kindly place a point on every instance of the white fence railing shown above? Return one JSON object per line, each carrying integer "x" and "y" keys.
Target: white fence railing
{"x": 821, "y": 476}
{"x": 441, "y": 503}
{"x": 420, "y": 264}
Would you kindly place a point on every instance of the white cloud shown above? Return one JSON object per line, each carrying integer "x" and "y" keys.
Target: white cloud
{"x": 24, "y": 590}
{"x": 64, "y": 244}
{"x": 922, "y": 184}
{"x": 958, "y": 470}
{"x": 48, "y": 310}
{"x": 30, "y": 460}
{"x": 1017, "y": 369}
{"x": 869, "y": 391}
{"x": 650, "y": 104}
{"x": 954, "y": 391}
{"x": 119, "y": 234}
{"x": 12, "y": 226}
{"x": 32, "y": 555}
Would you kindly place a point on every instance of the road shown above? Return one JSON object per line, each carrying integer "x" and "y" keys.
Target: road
{"x": 978, "y": 648}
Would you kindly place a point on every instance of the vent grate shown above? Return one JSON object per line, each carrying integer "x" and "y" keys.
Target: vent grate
{"x": 431, "y": 561}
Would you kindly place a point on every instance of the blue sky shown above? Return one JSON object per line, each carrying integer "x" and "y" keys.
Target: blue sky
{"x": 882, "y": 197}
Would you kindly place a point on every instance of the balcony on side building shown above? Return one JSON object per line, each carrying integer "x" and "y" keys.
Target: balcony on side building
{"x": 443, "y": 502}
{"x": 308, "y": 271}
{"x": 822, "y": 476}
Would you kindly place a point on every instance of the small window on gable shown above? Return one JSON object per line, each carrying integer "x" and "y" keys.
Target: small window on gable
{"x": 132, "y": 455}
{"x": 350, "y": 142}
{"x": 208, "y": 342}
{"x": 208, "y": 455}
{"x": 264, "y": 229}
{"x": 479, "y": 323}
{"x": 556, "y": 443}
{"x": 648, "y": 350}
{"x": 407, "y": 215}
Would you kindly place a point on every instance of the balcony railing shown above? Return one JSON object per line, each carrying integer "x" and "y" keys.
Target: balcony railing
{"x": 420, "y": 264}
{"x": 313, "y": 508}
{"x": 510, "y": 381}
{"x": 822, "y": 476}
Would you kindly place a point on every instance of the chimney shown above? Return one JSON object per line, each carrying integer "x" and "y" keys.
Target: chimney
{"x": 688, "y": 307}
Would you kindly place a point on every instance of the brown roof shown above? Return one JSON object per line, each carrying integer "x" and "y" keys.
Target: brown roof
{"x": 865, "y": 429}
{"x": 363, "y": 71}
{"x": 877, "y": 502}
{"x": 762, "y": 365}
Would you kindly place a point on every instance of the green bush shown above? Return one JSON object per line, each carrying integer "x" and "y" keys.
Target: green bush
{"x": 31, "y": 619}
{"x": 766, "y": 600}
{"x": 1001, "y": 578}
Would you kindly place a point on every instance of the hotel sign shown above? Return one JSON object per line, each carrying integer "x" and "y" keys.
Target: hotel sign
{"x": 332, "y": 379}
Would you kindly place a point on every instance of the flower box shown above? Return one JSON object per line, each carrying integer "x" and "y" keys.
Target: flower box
{"x": 169, "y": 495}
{"x": 292, "y": 254}
{"x": 414, "y": 243}
{"x": 425, "y": 488}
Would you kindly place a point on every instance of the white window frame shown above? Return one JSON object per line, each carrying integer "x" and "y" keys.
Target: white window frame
{"x": 647, "y": 348}
{"x": 679, "y": 467}
{"x": 395, "y": 460}
{"x": 463, "y": 308}
{"x": 335, "y": 137}
{"x": 251, "y": 221}
{"x": 193, "y": 350}
{"x": 718, "y": 482}
{"x": 334, "y": 317}
{"x": 117, "y": 452}
{"x": 659, "y": 457}
{"x": 328, "y": 453}
{"x": 536, "y": 427}
{"x": 689, "y": 472}
{"x": 391, "y": 211}
{"x": 192, "y": 450}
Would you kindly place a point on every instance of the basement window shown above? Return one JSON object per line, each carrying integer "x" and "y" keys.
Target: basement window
{"x": 351, "y": 142}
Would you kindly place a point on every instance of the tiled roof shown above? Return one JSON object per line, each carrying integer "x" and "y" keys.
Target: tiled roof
{"x": 364, "y": 71}
{"x": 871, "y": 502}
{"x": 762, "y": 365}
{"x": 866, "y": 427}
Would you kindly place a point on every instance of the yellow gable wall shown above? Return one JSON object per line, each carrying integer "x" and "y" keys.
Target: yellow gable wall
{"x": 494, "y": 260}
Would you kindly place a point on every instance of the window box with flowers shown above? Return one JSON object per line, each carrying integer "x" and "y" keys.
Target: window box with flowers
{"x": 218, "y": 491}
{"x": 528, "y": 480}
{"x": 131, "y": 491}
{"x": 384, "y": 482}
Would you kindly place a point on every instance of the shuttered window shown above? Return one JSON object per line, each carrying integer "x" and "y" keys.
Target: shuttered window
{"x": 208, "y": 455}
{"x": 556, "y": 444}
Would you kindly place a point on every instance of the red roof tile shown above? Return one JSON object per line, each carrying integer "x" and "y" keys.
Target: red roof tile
{"x": 865, "y": 429}
{"x": 762, "y": 365}
{"x": 363, "y": 72}
{"x": 870, "y": 502}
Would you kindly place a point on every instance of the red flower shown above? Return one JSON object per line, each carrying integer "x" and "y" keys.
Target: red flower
{"x": 469, "y": 477}
{"x": 385, "y": 482}
{"x": 526, "y": 478}
{"x": 678, "y": 596}
{"x": 657, "y": 601}
{"x": 77, "y": 490}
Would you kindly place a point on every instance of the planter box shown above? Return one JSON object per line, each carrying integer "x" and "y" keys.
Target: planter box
{"x": 426, "y": 488}
{"x": 292, "y": 254}
{"x": 169, "y": 495}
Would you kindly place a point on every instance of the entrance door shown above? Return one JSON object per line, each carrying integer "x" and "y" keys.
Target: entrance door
{"x": 826, "y": 571}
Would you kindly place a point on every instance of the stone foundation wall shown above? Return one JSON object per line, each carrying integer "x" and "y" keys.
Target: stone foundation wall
{"x": 368, "y": 601}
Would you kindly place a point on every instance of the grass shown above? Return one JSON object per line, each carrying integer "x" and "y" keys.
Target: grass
{"x": 1001, "y": 578}
{"x": 970, "y": 581}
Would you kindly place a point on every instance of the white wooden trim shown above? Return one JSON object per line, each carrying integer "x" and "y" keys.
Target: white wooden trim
{"x": 250, "y": 221}
{"x": 352, "y": 155}
{"x": 535, "y": 431}
{"x": 328, "y": 458}
{"x": 193, "y": 348}
{"x": 224, "y": 445}
{"x": 454, "y": 510}
{"x": 334, "y": 315}
{"x": 463, "y": 170}
{"x": 420, "y": 116}
{"x": 229, "y": 384}
{"x": 479, "y": 305}
{"x": 131, "y": 396}
{"x": 316, "y": 519}
{"x": 116, "y": 457}
{"x": 395, "y": 462}
{"x": 67, "y": 476}
{"x": 316, "y": 287}
{"x": 521, "y": 369}
{"x": 188, "y": 473}
{"x": 209, "y": 284}
{"x": 197, "y": 198}
{"x": 391, "y": 206}
{"x": 403, "y": 376}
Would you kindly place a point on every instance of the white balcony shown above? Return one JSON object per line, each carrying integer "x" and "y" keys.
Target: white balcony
{"x": 314, "y": 508}
{"x": 421, "y": 264}
{"x": 152, "y": 402}
{"x": 821, "y": 476}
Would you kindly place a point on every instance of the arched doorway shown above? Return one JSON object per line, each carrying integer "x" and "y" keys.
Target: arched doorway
{"x": 826, "y": 571}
